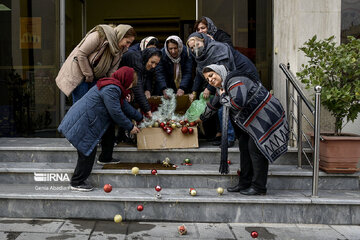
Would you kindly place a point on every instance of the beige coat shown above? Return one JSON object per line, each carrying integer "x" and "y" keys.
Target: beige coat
{"x": 78, "y": 65}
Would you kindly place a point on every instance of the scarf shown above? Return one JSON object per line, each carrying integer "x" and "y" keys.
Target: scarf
{"x": 122, "y": 78}
{"x": 219, "y": 69}
{"x": 112, "y": 48}
{"x": 212, "y": 29}
{"x": 145, "y": 42}
{"x": 214, "y": 53}
{"x": 175, "y": 61}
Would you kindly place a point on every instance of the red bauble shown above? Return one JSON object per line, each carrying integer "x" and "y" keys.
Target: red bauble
{"x": 184, "y": 130}
{"x": 140, "y": 208}
{"x": 191, "y": 130}
{"x": 192, "y": 124}
{"x": 254, "y": 234}
{"x": 182, "y": 122}
{"x": 186, "y": 121}
{"x": 165, "y": 128}
{"x": 154, "y": 172}
{"x": 169, "y": 130}
{"x": 107, "y": 188}
{"x": 229, "y": 162}
{"x": 158, "y": 188}
{"x": 162, "y": 125}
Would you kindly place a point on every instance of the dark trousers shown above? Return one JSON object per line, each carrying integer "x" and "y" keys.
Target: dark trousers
{"x": 254, "y": 165}
{"x": 85, "y": 163}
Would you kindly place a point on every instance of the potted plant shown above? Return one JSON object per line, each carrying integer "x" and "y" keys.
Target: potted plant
{"x": 336, "y": 68}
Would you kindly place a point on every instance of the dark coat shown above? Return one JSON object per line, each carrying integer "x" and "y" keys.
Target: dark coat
{"x": 255, "y": 111}
{"x": 135, "y": 47}
{"x": 138, "y": 60}
{"x": 165, "y": 72}
{"x": 214, "y": 53}
{"x": 88, "y": 119}
{"x": 222, "y": 36}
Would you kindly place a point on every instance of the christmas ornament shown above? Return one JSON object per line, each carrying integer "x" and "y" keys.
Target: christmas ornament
{"x": 184, "y": 130}
{"x": 158, "y": 188}
{"x": 162, "y": 124}
{"x": 107, "y": 188}
{"x": 154, "y": 172}
{"x": 254, "y": 234}
{"x": 135, "y": 170}
{"x": 191, "y": 130}
{"x": 187, "y": 160}
{"x": 156, "y": 124}
{"x": 169, "y": 130}
{"x": 173, "y": 125}
{"x": 182, "y": 230}
{"x": 192, "y": 124}
{"x": 238, "y": 172}
{"x": 158, "y": 196}
{"x": 118, "y": 218}
{"x": 229, "y": 162}
{"x": 220, "y": 190}
{"x": 193, "y": 192}
{"x": 140, "y": 208}
{"x": 182, "y": 122}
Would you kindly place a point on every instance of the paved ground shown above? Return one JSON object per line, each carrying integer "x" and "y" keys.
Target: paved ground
{"x": 57, "y": 229}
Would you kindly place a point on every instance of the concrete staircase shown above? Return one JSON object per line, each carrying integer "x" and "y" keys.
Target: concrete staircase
{"x": 53, "y": 160}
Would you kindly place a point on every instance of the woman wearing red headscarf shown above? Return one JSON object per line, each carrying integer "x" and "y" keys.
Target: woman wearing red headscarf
{"x": 88, "y": 119}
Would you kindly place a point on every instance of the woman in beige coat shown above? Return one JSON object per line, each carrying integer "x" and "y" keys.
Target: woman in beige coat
{"x": 97, "y": 55}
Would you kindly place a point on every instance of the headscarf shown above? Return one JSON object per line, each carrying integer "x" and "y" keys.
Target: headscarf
{"x": 176, "y": 61}
{"x": 147, "y": 54}
{"x": 122, "y": 78}
{"x": 214, "y": 53}
{"x": 109, "y": 53}
{"x": 145, "y": 42}
{"x": 219, "y": 69}
{"x": 212, "y": 29}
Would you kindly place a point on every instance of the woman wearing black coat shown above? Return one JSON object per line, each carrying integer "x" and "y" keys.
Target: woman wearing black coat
{"x": 144, "y": 63}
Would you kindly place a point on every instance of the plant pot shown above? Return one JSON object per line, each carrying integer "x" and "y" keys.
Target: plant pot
{"x": 339, "y": 154}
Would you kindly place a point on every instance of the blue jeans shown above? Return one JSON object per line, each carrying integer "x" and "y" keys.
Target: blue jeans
{"x": 81, "y": 90}
{"x": 231, "y": 132}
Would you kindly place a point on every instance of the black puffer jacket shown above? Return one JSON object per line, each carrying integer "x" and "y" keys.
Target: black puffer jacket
{"x": 138, "y": 60}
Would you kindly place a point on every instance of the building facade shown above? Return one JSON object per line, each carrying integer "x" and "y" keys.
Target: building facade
{"x": 37, "y": 35}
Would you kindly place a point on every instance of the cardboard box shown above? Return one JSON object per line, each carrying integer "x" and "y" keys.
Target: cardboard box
{"x": 157, "y": 138}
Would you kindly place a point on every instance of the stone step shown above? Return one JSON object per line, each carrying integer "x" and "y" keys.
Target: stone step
{"x": 61, "y": 151}
{"x": 280, "y": 177}
{"x": 278, "y": 206}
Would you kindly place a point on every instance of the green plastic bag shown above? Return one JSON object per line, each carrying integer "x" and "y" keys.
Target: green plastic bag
{"x": 196, "y": 108}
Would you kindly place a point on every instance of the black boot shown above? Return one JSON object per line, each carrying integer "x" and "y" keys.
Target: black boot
{"x": 238, "y": 188}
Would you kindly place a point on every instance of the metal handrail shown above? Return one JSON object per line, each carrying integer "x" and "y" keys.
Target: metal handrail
{"x": 315, "y": 111}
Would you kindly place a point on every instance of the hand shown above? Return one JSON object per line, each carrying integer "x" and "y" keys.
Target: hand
{"x": 89, "y": 79}
{"x": 191, "y": 97}
{"x": 128, "y": 98}
{"x": 180, "y": 92}
{"x": 135, "y": 130}
{"x": 165, "y": 95}
{"x": 221, "y": 91}
{"x": 198, "y": 121}
{"x": 206, "y": 93}
{"x": 147, "y": 94}
{"x": 148, "y": 114}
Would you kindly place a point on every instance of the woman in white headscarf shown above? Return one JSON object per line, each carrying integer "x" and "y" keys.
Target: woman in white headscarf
{"x": 97, "y": 55}
{"x": 175, "y": 67}
{"x": 148, "y": 42}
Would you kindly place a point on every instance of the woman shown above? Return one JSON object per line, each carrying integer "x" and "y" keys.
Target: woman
{"x": 144, "y": 64}
{"x": 207, "y": 26}
{"x": 148, "y": 42}
{"x": 259, "y": 121}
{"x": 97, "y": 55}
{"x": 175, "y": 67}
{"x": 89, "y": 119}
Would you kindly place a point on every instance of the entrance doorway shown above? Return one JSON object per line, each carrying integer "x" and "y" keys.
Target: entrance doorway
{"x": 30, "y": 46}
